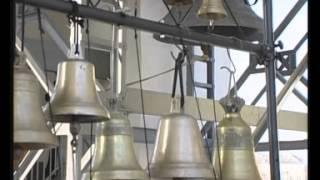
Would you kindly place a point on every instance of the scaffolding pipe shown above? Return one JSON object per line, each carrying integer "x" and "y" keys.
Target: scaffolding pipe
{"x": 145, "y": 25}
{"x": 271, "y": 91}
{"x": 288, "y": 87}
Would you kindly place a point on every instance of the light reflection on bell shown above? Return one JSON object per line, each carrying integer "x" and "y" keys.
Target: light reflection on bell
{"x": 236, "y": 148}
{"x": 30, "y": 130}
{"x": 178, "y": 2}
{"x": 250, "y": 25}
{"x": 114, "y": 156}
{"x": 75, "y": 94}
{"x": 179, "y": 151}
{"x": 212, "y": 10}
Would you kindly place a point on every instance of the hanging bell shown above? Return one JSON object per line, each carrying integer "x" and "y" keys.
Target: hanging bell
{"x": 179, "y": 151}
{"x": 242, "y": 23}
{"x": 75, "y": 96}
{"x": 114, "y": 156}
{"x": 212, "y": 10}
{"x": 178, "y": 2}
{"x": 236, "y": 150}
{"x": 30, "y": 129}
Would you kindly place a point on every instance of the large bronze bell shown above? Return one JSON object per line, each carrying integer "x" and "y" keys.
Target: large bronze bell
{"x": 178, "y": 2}
{"x": 179, "y": 151}
{"x": 114, "y": 156}
{"x": 30, "y": 129}
{"x": 236, "y": 150}
{"x": 248, "y": 25}
{"x": 75, "y": 96}
{"x": 212, "y": 10}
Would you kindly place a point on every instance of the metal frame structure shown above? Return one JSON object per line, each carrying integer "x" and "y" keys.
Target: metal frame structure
{"x": 265, "y": 50}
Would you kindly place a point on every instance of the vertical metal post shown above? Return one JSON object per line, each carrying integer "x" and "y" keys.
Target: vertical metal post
{"x": 189, "y": 87}
{"x": 271, "y": 92}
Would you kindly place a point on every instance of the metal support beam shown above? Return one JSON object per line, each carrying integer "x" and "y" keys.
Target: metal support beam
{"x": 287, "y": 119}
{"x": 54, "y": 35}
{"x": 146, "y": 25}
{"x": 289, "y": 18}
{"x": 38, "y": 72}
{"x": 295, "y": 77}
{"x": 295, "y": 91}
{"x": 270, "y": 69}
{"x": 285, "y": 146}
{"x": 304, "y": 81}
{"x": 299, "y": 44}
{"x": 257, "y": 98}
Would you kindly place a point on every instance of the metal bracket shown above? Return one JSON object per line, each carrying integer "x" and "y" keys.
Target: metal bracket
{"x": 286, "y": 60}
{"x": 286, "y": 63}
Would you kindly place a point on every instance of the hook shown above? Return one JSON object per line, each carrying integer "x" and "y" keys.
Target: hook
{"x": 234, "y": 80}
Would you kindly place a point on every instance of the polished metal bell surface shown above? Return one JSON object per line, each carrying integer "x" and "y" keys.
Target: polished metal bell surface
{"x": 236, "y": 150}
{"x": 250, "y": 25}
{"x": 114, "y": 156}
{"x": 178, "y": 2}
{"x": 179, "y": 151}
{"x": 212, "y": 10}
{"x": 30, "y": 129}
{"x": 75, "y": 97}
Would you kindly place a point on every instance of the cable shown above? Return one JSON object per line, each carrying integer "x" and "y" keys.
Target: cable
{"x": 22, "y": 26}
{"x": 186, "y": 14}
{"x": 215, "y": 118}
{"x": 141, "y": 90}
{"x": 234, "y": 18}
{"x": 229, "y": 56}
{"x": 152, "y": 76}
{"x": 47, "y": 83}
{"x": 91, "y": 123}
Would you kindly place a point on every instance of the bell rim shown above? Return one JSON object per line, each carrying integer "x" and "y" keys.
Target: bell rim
{"x": 181, "y": 2}
{"x": 66, "y": 118}
{"x": 74, "y": 60}
{"x": 35, "y": 140}
{"x": 116, "y": 174}
{"x": 172, "y": 170}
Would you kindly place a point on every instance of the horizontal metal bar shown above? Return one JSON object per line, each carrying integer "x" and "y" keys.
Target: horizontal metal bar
{"x": 157, "y": 104}
{"x": 284, "y": 145}
{"x": 146, "y": 25}
{"x": 203, "y": 85}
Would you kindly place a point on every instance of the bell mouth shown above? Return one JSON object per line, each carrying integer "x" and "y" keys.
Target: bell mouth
{"x": 68, "y": 118}
{"x": 179, "y": 2}
{"x": 243, "y": 33}
{"x": 116, "y": 174}
{"x": 33, "y": 140}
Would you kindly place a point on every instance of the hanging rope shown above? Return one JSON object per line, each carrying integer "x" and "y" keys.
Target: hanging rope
{"x": 22, "y": 26}
{"x": 47, "y": 96}
{"x": 141, "y": 91}
{"x": 215, "y": 116}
